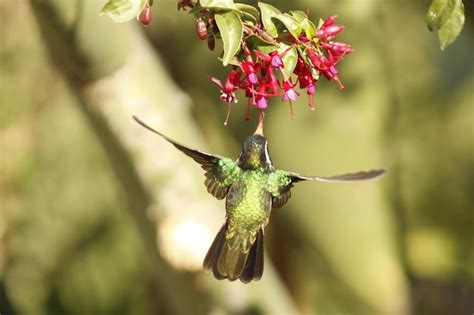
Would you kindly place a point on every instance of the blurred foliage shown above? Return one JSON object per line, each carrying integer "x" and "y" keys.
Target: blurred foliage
{"x": 63, "y": 232}
{"x": 400, "y": 245}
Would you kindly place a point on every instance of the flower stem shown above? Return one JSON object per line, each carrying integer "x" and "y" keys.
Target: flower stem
{"x": 259, "y": 130}
{"x": 228, "y": 113}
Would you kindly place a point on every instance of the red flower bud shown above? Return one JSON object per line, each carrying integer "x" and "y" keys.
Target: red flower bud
{"x": 211, "y": 42}
{"x": 201, "y": 29}
{"x": 337, "y": 48}
{"x": 146, "y": 15}
{"x": 329, "y": 31}
{"x": 318, "y": 60}
{"x": 329, "y": 21}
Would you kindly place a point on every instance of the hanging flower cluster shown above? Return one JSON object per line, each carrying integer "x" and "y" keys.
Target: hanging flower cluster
{"x": 276, "y": 53}
{"x": 257, "y": 73}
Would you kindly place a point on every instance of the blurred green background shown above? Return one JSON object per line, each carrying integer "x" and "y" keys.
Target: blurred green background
{"x": 98, "y": 216}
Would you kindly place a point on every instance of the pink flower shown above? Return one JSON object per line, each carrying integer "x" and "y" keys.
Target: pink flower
{"x": 276, "y": 61}
{"x": 262, "y": 101}
{"x": 311, "y": 89}
{"x": 232, "y": 84}
{"x": 289, "y": 91}
{"x": 325, "y": 66}
{"x": 262, "y": 94}
{"x": 273, "y": 58}
{"x": 248, "y": 67}
{"x": 306, "y": 79}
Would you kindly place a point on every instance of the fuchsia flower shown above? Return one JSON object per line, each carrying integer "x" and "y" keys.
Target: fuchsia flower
{"x": 326, "y": 66}
{"x": 273, "y": 58}
{"x": 258, "y": 74}
{"x": 306, "y": 79}
{"x": 276, "y": 61}
{"x": 262, "y": 93}
{"x": 289, "y": 93}
{"x": 248, "y": 67}
{"x": 262, "y": 101}
{"x": 232, "y": 83}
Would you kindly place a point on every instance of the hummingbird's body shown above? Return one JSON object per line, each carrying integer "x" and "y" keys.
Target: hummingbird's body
{"x": 252, "y": 188}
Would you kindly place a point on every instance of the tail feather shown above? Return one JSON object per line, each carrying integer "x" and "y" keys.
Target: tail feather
{"x": 230, "y": 262}
{"x": 212, "y": 256}
{"x": 254, "y": 267}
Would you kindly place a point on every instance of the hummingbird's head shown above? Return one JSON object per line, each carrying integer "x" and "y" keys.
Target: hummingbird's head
{"x": 255, "y": 153}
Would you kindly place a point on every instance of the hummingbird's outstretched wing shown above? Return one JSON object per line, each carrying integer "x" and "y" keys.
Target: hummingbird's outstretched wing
{"x": 285, "y": 180}
{"x": 221, "y": 172}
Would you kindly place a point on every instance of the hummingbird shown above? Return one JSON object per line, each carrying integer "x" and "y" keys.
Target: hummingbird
{"x": 252, "y": 187}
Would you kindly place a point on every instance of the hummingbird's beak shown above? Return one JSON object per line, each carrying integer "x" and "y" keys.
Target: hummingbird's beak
{"x": 259, "y": 130}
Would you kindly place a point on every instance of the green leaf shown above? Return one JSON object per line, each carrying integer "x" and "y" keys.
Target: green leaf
{"x": 231, "y": 30}
{"x": 320, "y": 23}
{"x": 268, "y": 12}
{"x": 219, "y": 4}
{"x": 451, "y": 29}
{"x": 308, "y": 26}
{"x": 290, "y": 23}
{"x": 438, "y": 13}
{"x": 248, "y": 9}
{"x": 123, "y": 10}
{"x": 446, "y": 16}
{"x": 289, "y": 60}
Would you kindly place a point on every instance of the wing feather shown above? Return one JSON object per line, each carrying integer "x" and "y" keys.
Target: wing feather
{"x": 362, "y": 175}
{"x": 216, "y": 182}
{"x": 283, "y": 194}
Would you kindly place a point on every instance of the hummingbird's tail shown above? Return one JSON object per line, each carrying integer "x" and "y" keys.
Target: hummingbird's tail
{"x": 231, "y": 262}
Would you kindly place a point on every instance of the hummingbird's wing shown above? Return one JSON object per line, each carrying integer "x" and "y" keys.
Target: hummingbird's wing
{"x": 221, "y": 172}
{"x": 362, "y": 175}
{"x": 286, "y": 180}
